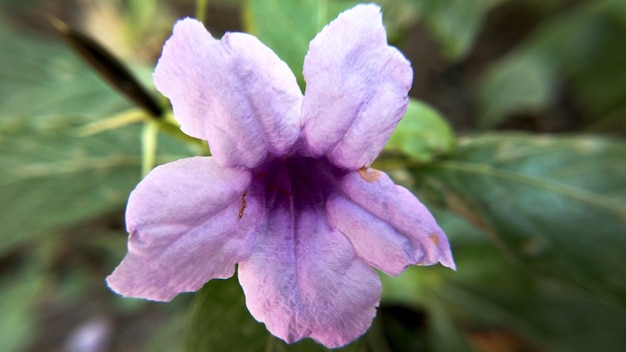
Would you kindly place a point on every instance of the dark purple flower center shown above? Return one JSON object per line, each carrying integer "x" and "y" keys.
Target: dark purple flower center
{"x": 301, "y": 182}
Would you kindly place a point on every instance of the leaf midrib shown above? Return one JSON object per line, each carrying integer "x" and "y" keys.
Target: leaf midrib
{"x": 581, "y": 195}
{"x": 55, "y": 168}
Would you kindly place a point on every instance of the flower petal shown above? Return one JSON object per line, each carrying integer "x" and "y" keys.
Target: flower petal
{"x": 375, "y": 193}
{"x": 234, "y": 92}
{"x": 304, "y": 280}
{"x": 374, "y": 240}
{"x": 357, "y": 89}
{"x": 189, "y": 222}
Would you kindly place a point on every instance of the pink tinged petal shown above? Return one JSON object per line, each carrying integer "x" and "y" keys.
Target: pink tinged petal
{"x": 304, "y": 280}
{"x": 379, "y": 199}
{"x": 190, "y": 221}
{"x": 234, "y": 92}
{"x": 357, "y": 89}
{"x": 374, "y": 240}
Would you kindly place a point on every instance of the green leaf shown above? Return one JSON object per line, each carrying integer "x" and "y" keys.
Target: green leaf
{"x": 518, "y": 84}
{"x": 455, "y": 23}
{"x": 170, "y": 336}
{"x": 52, "y": 177}
{"x": 422, "y": 134}
{"x": 288, "y": 26}
{"x": 421, "y": 287}
{"x": 18, "y": 293}
{"x": 491, "y": 297}
{"x": 220, "y": 321}
{"x": 555, "y": 204}
{"x": 582, "y": 46}
{"x": 40, "y": 78}
{"x": 597, "y": 68}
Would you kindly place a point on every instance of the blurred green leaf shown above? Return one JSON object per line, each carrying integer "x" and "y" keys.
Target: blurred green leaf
{"x": 220, "y": 321}
{"x": 39, "y": 78}
{"x": 109, "y": 67}
{"x": 493, "y": 303}
{"x": 490, "y": 295}
{"x": 18, "y": 292}
{"x": 597, "y": 69}
{"x": 399, "y": 17}
{"x": 170, "y": 336}
{"x": 455, "y": 23}
{"x": 51, "y": 176}
{"x": 555, "y": 204}
{"x": 581, "y": 47}
{"x": 519, "y": 84}
{"x": 422, "y": 134}
{"x": 419, "y": 287}
{"x": 288, "y": 26}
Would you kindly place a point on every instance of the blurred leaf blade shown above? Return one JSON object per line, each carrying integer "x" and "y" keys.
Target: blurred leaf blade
{"x": 455, "y": 23}
{"x": 518, "y": 84}
{"x": 557, "y": 204}
{"x": 40, "y": 162}
{"x": 422, "y": 134}
{"x": 288, "y": 26}
{"x": 284, "y": 27}
{"x": 220, "y": 321}
{"x": 493, "y": 303}
{"x": 56, "y": 81}
{"x": 50, "y": 175}
{"x": 109, "y": 67}
{"x": 496, "y": 299}
{"x": 17, "y": 294}
{"x": 429, "y": 288}
{"x": 578, "y": 50}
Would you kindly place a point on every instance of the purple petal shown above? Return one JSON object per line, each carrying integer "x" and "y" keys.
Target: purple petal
{"x": 374, "y": 240}
{"x": 357, "y": 89}
{"x": 304, "y": 280}
{"x": 379, "y": 199}
{"x": 189, "y": 221}
{"x": 234, "y": 92}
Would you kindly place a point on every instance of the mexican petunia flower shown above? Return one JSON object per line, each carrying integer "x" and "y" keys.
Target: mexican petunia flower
{"x": 288, "y": 194}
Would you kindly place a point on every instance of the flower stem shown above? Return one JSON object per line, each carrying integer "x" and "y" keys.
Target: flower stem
{"x": 201, "y": 8}
{"x": 149, "y": 138}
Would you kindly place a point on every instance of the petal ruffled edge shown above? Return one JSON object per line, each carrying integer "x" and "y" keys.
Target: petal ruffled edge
{"x": 186, "y": 227}
{"x": 304, "y": 279}
{"x": 234, "y": 92}
{"x": 375, "y": 241}
{"x": 375, "y": 193}
{"x": 357, "y": 89}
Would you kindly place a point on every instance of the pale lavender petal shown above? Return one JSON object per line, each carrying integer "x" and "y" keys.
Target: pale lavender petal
{"x": 304, "y": 280}
{"x": 357, "y": 89}
{"x": 374, "y": 192}
{"x": 374, "y": 240}
{"x": 189, "y": 221}
{"x": 234, "y": 92}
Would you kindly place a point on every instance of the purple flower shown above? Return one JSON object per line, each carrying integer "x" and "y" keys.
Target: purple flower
{"x": 288, "y": 194}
